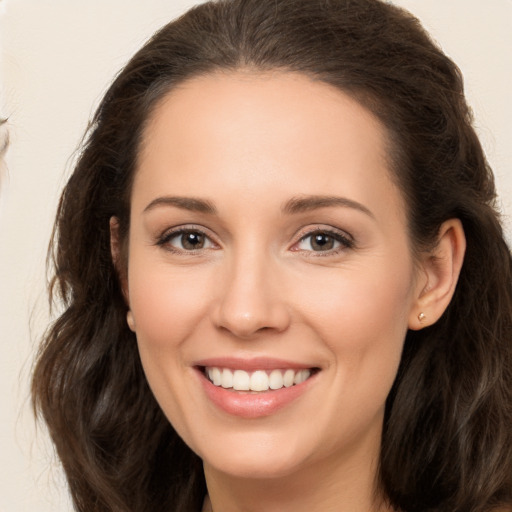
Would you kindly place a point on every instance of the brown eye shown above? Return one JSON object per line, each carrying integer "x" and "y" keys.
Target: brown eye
{"x": 324, "y": 241}
{"x": 192, "y": 240}
{"x": 186, "y": 240}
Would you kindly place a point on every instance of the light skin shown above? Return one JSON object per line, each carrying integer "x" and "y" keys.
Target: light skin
{"x": 265, "y": 223}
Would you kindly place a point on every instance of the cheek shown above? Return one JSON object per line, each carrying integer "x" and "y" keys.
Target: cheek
{"x": 365, "y": 301}
{"x": 166, "y": 304}
{"x": 362, "y": 317}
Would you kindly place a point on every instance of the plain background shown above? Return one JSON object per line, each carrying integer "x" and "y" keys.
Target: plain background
{"x": 56, "y": 59}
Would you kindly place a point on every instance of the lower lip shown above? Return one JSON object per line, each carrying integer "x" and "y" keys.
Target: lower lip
{"x": 252, "y": 405}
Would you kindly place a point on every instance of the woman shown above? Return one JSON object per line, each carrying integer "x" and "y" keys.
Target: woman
{"x": 285, "y": 283}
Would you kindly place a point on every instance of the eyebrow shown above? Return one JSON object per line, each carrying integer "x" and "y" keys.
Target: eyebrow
{"x": 297, "y": 204}
{"x": 301, "y": 204}
{"x": 192, "y": 204}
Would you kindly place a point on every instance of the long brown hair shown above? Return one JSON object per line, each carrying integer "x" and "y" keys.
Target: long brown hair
{"x": 447, "y": 439}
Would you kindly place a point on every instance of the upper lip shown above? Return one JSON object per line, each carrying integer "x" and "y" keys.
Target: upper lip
{"x": 252, "y": 364}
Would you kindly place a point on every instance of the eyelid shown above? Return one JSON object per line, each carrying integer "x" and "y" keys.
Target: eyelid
{"x": 345, "y": 239}
{"x": 169, "y": 233}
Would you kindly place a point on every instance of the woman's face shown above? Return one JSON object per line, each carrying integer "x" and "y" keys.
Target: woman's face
{"x": 268, "y": 245}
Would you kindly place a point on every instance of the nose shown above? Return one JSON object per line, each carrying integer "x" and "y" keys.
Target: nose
{"x": 252, "y": 297}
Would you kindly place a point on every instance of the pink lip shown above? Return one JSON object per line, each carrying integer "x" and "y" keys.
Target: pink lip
{"x": 251, "y": 365}
{"x": 249, "y": 405}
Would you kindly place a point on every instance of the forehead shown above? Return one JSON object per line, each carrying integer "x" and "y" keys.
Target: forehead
{"x": 258, "y": 130}
{"x": 241, "y": 99}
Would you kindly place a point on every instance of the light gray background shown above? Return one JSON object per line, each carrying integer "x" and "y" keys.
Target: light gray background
{"x": 56, "y": 59}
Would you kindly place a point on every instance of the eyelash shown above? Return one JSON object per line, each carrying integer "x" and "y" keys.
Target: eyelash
{"x": 167, "y": 236}
{"x": 346, "y": 242}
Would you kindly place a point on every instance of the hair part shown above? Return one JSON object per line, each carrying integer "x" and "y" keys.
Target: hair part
{"x": 447, "y": 441}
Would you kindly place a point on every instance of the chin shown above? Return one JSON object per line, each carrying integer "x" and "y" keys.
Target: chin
{"x": 256, "y": 457}
{"x": 255, "y": 469}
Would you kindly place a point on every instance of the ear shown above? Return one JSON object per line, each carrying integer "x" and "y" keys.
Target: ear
{"x": 438, "y": 275}
{"x": 118, "y": 258}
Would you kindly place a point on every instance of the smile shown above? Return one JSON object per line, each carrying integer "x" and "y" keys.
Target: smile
{"x": 256, "y": 381}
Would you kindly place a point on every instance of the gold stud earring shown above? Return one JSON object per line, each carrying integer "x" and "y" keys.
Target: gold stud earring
{"x": 130, "y": 320}
{"x": 421, "y": 316}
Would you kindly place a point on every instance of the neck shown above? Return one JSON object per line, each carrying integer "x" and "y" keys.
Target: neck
{"x": 327, "y": 486}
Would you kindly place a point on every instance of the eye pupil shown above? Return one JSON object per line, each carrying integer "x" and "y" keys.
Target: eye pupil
{"x": 192, "y": 240}
{"x": 322, "y": 242}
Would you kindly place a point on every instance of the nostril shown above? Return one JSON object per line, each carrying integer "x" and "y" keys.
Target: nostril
{"x": 249, "y": 303}
{"x": 247, "y": 326}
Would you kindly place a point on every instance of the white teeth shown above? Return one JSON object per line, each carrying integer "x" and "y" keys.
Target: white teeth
{"x": 288, "y": 378}
{"x": 259, "y": 380}
{"x": 301, "y": 376}
{"x": 216, "y": 376}
{"x": 275, "y": 380}
{"x": 241, "y": 380}
{"x": 227, "y": 378}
